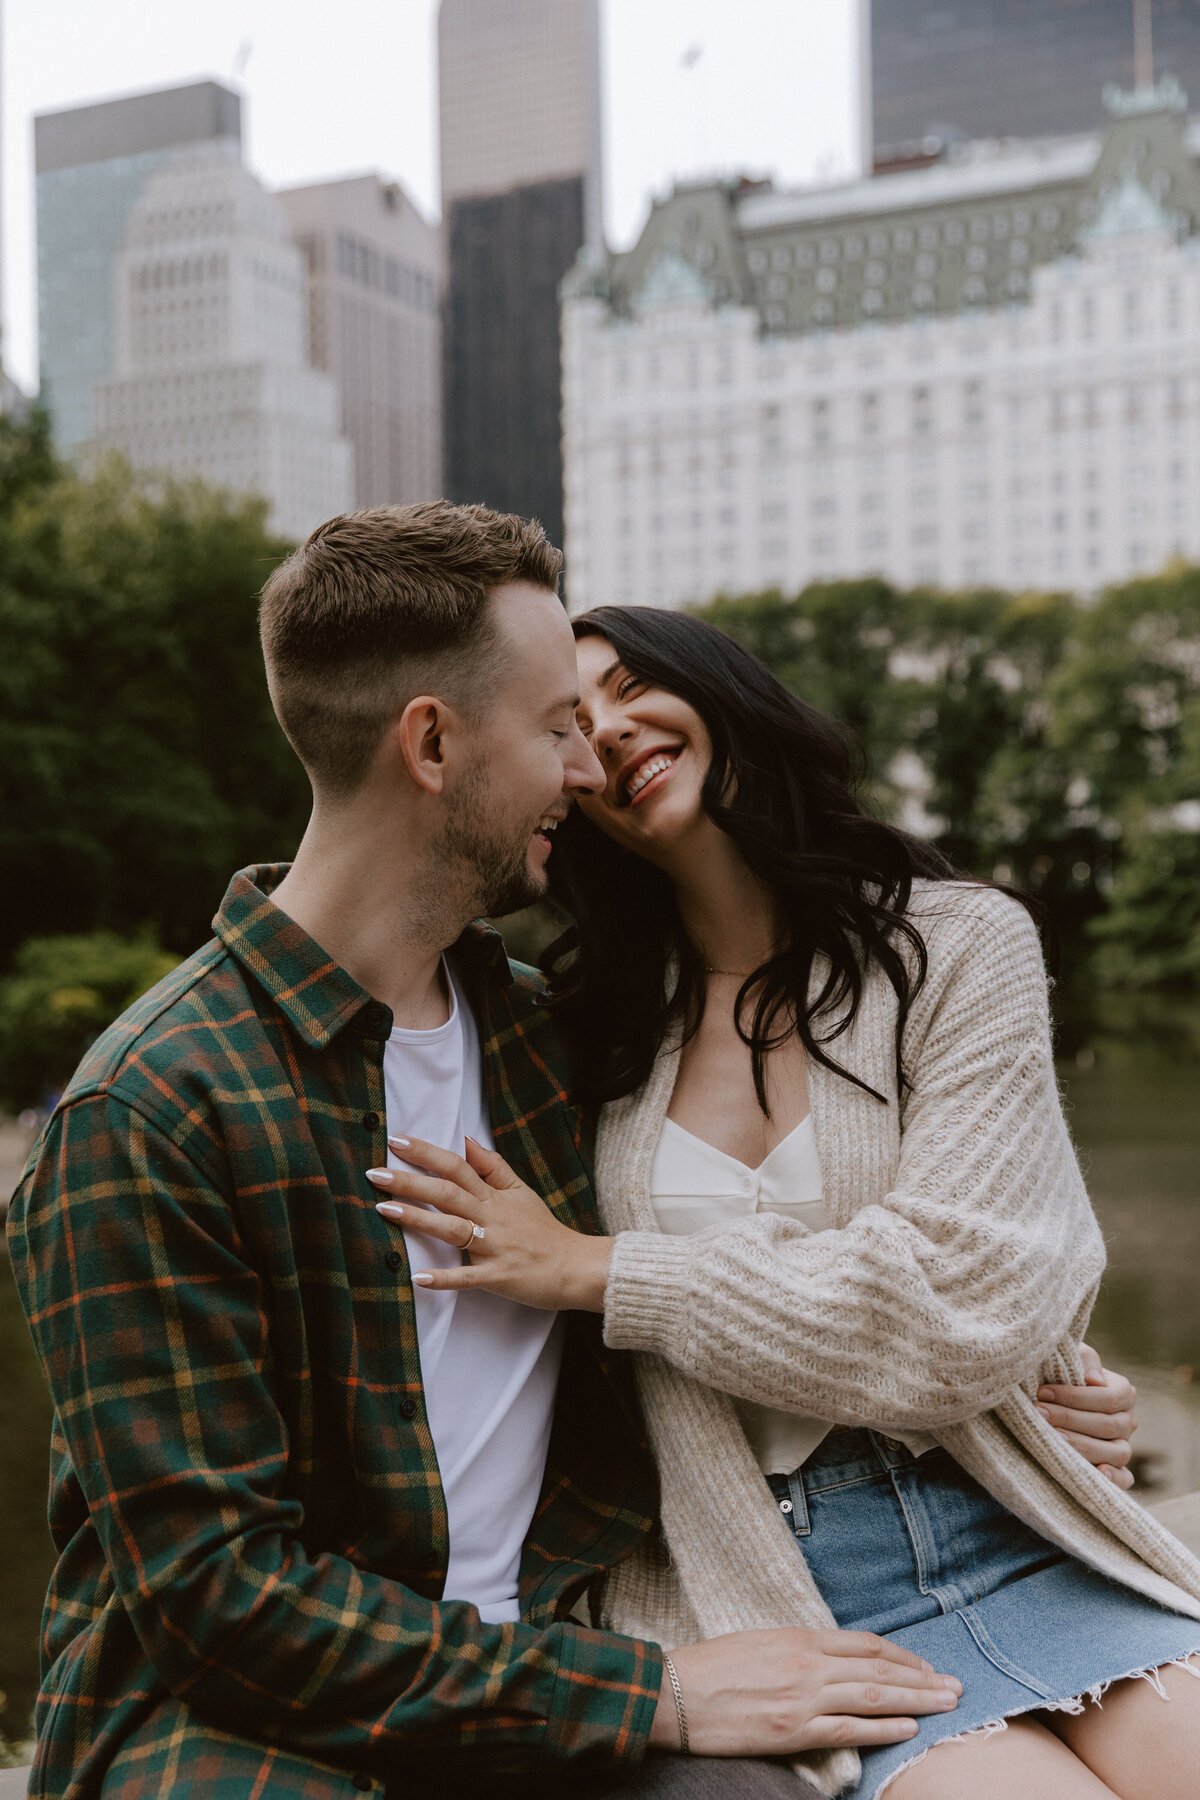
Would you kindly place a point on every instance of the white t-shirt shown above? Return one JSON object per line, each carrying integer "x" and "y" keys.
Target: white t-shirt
{"x": 489, "y": 1366}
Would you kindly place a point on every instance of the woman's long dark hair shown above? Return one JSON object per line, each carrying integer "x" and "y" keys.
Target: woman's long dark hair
{"x": 783, "y": 784}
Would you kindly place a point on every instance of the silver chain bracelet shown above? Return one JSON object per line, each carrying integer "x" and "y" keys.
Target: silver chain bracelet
{"x": 678, "y": 1693}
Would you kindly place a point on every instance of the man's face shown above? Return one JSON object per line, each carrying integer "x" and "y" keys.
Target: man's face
{"x": 529, "y": 758}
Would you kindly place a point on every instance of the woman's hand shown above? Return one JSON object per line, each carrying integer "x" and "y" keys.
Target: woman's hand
{"x": 1098, "y": 1419}
{"x": 517, "y": 1247}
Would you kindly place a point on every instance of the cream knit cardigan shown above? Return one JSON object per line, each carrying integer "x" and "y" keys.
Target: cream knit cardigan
{"x": 959, "y": 1271}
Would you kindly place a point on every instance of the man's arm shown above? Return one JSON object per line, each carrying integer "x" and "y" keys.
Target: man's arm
{"x": 154, "y": 1334}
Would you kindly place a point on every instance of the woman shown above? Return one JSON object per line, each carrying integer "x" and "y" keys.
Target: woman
{"x": 847, "y": 1235}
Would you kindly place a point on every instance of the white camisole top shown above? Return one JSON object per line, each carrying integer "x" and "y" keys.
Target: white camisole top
{"x": 694, "y": 1186}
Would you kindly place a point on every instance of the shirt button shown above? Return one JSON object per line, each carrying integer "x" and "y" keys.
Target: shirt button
{"x": 393, "y": 1259}
{"x": 785, "y": 1506}
{"x": 747, "y": 1185}
{"x": 408, "y": 1409}
{"x": 370, "y": 1121}
{"x": 362, "y": 1782}
{"x": 375, "y": 1015}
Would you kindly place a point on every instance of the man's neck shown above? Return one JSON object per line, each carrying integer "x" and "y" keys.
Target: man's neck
{"x": 358, "y": 892}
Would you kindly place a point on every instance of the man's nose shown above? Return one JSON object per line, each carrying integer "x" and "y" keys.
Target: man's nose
{"x": 584, "y": 772}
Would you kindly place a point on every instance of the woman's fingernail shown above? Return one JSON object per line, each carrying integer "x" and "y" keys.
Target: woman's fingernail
{"x": 389, "y": 1209}
{"x": 381, "y": 1177}
{"x": 1044, "y": 1410}
{"x": 422, "y": 1280}
{"x": 399, "y": 1143}
{"x": 1044, "y": 1393}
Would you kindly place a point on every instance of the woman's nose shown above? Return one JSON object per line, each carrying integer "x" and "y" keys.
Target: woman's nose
{"x": 609, "y": 735}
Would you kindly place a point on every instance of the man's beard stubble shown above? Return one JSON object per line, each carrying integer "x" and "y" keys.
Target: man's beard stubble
{"x": 472, "y": 867}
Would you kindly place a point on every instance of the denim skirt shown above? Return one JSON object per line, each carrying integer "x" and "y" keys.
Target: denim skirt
{"x": 915, "y": 1550}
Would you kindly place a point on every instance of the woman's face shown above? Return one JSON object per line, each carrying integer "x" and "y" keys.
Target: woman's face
{"x": 654, "y": 749}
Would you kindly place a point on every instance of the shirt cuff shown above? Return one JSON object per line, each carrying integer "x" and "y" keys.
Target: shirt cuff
{"x": 605, "y": 1698}
{"x": 645, "y": 1300}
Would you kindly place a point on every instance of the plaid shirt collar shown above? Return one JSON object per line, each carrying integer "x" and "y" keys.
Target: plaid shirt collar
{"x": 316, "y": 995}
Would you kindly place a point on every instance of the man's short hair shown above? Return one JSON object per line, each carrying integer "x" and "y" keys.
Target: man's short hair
{"x": 379, "y": 606}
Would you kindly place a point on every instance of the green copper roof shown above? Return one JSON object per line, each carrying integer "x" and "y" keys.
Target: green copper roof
{"x": 966, "y": 232}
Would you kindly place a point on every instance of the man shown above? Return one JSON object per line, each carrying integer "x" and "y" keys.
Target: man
{"x": 320, "y": 1531}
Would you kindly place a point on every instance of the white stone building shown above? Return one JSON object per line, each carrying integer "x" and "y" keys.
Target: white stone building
{"x": 986, "y": 370}
{"x": 374, "y": 325}
{"x": 211, "y": 374}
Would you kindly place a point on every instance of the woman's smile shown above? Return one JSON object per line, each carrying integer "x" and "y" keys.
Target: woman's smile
{"x": 646, "y": 774}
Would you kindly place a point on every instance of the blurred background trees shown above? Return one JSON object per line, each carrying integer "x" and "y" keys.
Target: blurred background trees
{"x": 1035, "y": 737}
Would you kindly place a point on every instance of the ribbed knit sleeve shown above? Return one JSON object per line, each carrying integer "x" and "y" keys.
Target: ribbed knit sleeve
{"x": 927, "y": 1307}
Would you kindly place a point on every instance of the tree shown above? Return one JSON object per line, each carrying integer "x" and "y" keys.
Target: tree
{"x": 140, "y": 762}
{"x": 1033, "y": 738}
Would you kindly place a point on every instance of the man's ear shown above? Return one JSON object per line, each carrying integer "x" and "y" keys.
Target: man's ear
{"x": 420, "y": 735}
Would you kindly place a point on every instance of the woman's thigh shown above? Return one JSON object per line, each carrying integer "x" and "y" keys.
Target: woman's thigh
{"x": 1024, "y": 1760}
{"x": 1142, "y": 1746}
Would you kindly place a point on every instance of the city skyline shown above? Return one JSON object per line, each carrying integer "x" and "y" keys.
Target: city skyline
{"x": 787, "y": 109}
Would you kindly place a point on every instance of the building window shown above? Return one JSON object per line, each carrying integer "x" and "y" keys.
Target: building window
{"x": 821, "y": 425}
{"x": 922, "y": 411}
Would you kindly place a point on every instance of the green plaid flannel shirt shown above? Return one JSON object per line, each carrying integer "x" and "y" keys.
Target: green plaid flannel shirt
{"x": 244, "y": 1491}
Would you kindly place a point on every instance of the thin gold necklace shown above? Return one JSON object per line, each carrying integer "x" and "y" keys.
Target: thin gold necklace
{"x": 709, "y": 970}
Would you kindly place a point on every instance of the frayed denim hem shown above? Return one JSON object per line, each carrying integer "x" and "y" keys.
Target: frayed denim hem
{"x": 1073, "y": 1705}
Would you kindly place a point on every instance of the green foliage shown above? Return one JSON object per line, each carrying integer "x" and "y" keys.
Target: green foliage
{"x": 140, "y": 762}
{"x": 61, "y": 995}
{"x": 1034, "y": 737}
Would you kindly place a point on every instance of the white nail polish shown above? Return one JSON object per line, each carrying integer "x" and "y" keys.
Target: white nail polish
{"x": 390, "y": 1209}
{"x": 381, "y": 1177}
{"x": 399, "y": 1143}
{"x": 422, "y": 1280}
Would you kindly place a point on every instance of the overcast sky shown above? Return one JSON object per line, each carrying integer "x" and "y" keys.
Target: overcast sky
{"x": 339, "y": 86}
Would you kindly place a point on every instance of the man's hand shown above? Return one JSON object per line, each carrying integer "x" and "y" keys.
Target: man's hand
{"x": 773, "y": 1693}
{"x": 1098, "y": 1419}
{"x": 517, "y": 1247}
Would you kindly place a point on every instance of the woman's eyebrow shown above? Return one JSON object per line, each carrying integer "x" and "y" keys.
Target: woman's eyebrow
{"x": 609, "y": 673}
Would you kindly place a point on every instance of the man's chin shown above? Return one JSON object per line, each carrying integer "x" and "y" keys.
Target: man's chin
{"x": 526, "y": 890}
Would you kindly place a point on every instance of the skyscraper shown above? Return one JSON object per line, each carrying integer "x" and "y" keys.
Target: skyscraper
{"x": 1014, "y": 68}
{"x": 374, "y": 325}
{"x": 520, "y": 145}
{"x": 210, "y": 373}
{"x": 92, "y": 164}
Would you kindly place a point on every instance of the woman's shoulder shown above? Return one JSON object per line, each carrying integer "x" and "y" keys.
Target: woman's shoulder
{"x": 965, "y": 903}
{"x": 958, "y": 919}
